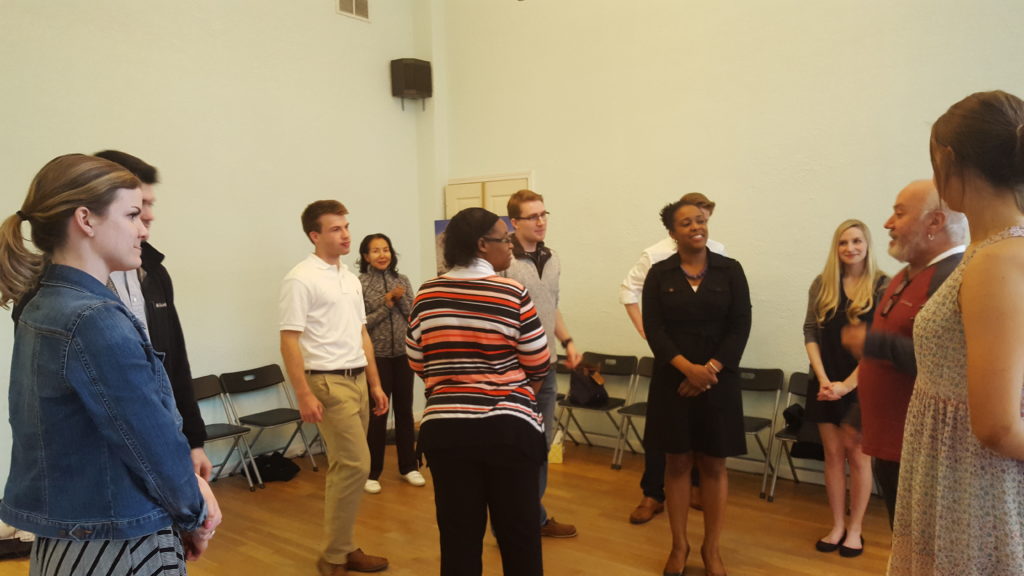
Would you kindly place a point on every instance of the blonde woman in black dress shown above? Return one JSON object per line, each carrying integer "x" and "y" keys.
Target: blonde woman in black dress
{"x": 845, "y": 293}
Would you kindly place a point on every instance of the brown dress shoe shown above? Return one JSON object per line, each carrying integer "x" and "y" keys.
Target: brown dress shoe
{"x": 552, "y": 529}
{"x": 325, "y": 568}
{"x": 358, "y": 561}
{"x": 646, "y": 510}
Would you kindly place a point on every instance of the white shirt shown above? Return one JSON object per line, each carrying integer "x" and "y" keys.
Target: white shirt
{"x": 325, "y": 303}
{"x": 632, "y": 286}
{"x": 129, "y": 290}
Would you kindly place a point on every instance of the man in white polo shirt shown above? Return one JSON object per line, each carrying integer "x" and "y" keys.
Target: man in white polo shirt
{"x": 328, "y": 355}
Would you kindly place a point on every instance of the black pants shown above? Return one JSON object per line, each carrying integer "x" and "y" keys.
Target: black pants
{"x": 887, "y": 474}
{"x": 396, "y": 380}
{"x": 469, "y": 483}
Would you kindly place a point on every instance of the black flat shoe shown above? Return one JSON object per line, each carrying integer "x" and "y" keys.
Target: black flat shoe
{"x": 847, "y": 552}
{"x": 822, "y": 546}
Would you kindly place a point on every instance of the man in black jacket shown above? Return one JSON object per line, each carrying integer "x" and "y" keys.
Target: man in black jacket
{"x": 156, "y": 310}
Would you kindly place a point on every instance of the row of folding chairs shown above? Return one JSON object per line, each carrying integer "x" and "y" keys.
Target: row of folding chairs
{"x": 231, "y": 386}
{"x": 635, "y": 373}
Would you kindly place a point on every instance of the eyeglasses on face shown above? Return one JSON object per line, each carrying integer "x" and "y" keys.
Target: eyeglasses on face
{"x": 545, "y": 215}
{"x": 503, "y": 239}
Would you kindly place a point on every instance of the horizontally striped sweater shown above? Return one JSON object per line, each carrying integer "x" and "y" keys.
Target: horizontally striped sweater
{"x": 477, "y": 342}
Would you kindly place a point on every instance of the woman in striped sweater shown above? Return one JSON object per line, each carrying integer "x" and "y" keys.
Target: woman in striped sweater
{"x": 476, "y": 341}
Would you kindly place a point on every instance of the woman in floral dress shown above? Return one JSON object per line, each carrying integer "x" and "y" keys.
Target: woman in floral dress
{"x": 960, "y": 509}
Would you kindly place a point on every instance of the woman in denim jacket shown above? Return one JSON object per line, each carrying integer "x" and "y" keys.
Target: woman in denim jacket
{"x": 100, "y": 470}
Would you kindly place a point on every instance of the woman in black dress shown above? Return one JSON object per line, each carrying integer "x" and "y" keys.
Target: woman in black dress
{"x": 844, "y": 294}
{"x": 696, "y": 313}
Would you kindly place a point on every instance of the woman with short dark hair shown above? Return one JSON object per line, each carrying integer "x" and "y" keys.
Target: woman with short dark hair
{"x": 477, "y": 342}
{"x": 696, "y": 313}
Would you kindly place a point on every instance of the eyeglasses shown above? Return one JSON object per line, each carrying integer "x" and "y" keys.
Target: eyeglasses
{"x": 545, "y": 215}
{"x": 895, "y": 297}
{"x": 503, "y": 239}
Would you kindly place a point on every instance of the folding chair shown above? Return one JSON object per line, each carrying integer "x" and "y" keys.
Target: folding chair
{"x": 786, "y": 436}
{"x": 210, "y": 387}
{"x": 246, "y": 381}
{"x": 613, "y": 368}
{"x": 766, "y": 381}
{"x": 644, "y": 372}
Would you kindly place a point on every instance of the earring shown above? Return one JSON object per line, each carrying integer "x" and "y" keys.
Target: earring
{"x": 931, "y": 237}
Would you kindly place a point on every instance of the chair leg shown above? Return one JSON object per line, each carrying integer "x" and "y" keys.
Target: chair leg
{"x": 764, "y": 477}
{"x": 792, "y": 467}
{"x": 252, "y": 460}
{"x": 618, "y": 425}
{"x": 305, "y": 443}
{"x": 623, "y": 430}
{"x": 236, "y": 448}
{"x": 564, "y": 426}
{"x": 259, "y": 432}
{"x": 775, "y": 472}
{"x": 573, "y": 420}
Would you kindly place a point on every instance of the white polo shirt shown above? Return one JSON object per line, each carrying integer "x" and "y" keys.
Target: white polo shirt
{"x": 325, "y": 303}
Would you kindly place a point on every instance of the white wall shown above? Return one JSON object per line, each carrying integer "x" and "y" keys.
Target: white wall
{"x": 250, "y": 110}
{"x": 792, "y": 115}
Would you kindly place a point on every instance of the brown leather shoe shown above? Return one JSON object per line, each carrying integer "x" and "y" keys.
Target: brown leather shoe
{"x": 358, "y": 561}
{"x": 552, "y": 529}
{"x": 646, "y": 510}
{"x": 325, "y": 568}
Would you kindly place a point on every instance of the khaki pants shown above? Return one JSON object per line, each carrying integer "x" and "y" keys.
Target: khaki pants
{"x": 346, "y": 416}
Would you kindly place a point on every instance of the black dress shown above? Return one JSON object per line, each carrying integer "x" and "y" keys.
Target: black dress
{"x": 837, "y": 361}
{"x": 713, "y": 322}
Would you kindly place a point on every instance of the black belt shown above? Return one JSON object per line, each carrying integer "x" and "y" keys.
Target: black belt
{"x": 346, "y": 372}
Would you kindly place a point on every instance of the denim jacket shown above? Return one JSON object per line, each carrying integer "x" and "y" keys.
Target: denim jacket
{"x": 98, "y": 451}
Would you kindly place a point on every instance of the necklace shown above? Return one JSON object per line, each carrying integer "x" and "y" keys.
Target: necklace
{"x": 697, "y": 276}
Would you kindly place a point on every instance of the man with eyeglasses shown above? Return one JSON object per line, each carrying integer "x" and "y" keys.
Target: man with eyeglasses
{"x": 538, "y": 268}
{"x": 630, "y": 291}
{"x": 929, "y": 237}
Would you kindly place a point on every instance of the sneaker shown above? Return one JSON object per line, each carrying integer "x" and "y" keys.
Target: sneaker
{"x": 415, "y": 478}
{"x": 552, "y": 529}
{"x": 372, "y": 486}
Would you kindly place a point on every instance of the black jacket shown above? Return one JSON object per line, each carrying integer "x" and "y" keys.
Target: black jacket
{"x": 167, "y": 337}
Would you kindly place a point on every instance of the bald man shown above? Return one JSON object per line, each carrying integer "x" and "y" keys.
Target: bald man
{"x": 930, "y": 239}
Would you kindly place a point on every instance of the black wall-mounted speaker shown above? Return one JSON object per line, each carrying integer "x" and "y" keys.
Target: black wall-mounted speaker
{"x": 410, "y": 78}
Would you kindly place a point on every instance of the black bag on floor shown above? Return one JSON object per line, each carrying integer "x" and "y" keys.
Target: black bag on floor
{"x": 274, "y": 467}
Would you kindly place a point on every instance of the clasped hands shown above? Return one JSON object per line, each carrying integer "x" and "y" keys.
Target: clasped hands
{"x": 195, "y": 542}
{"x": 393, "y": 296}
{"x": 698, "y": 380}
{"x": 832, "y": 391}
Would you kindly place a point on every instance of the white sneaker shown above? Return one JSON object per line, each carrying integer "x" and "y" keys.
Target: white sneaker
{"x": 415, "y": 478}
{"x": 372, "y": 486}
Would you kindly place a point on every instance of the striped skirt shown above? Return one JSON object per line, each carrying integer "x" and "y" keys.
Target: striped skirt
{"x": 159, "y": 553}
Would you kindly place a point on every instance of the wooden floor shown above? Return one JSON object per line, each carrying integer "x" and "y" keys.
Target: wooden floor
{"x": 277, "y": 531}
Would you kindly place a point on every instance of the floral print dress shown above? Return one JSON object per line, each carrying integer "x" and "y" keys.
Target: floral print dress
{"x": 960, "y": 509}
